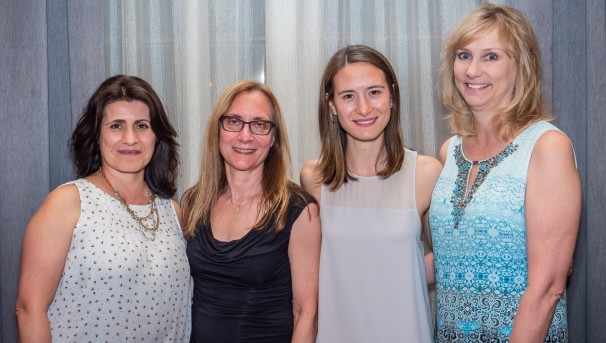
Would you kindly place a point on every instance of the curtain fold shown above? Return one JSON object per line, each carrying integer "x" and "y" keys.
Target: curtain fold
{"x": 191, "y": 50}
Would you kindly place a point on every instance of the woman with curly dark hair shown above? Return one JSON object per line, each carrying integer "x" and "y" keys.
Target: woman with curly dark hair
{"x": 104, "y": 256}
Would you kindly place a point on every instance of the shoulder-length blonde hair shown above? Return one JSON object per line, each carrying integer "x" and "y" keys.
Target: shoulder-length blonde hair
{"x": 333, "y": 162}
{"x": 199, "y": 200}
{"x": 516, "y": 33}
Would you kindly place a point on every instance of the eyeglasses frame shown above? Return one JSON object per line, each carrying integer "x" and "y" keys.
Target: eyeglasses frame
{"x": 225, "y": 116}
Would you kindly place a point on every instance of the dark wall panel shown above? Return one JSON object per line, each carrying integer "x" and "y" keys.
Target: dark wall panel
{"x": 51, "y": 60}
{"x": 59, "y": 92}
{"x": 23, "y": 139}
{"x": 596, "y": 176}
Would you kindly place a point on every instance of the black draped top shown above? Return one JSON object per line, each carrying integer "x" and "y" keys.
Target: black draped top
{"x": 243, "y": 288}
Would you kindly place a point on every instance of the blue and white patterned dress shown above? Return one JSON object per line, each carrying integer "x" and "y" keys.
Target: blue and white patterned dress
{"x": 479, "y": 243}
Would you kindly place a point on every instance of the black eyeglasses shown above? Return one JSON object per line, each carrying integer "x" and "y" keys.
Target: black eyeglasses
{"x": 257, "y": 127}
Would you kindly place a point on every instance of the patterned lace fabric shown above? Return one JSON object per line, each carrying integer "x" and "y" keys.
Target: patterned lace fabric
{"x": 459, "y": 200}
{"x": 479, "y": 243}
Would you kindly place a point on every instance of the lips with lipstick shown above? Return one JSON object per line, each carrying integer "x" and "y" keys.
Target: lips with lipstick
{"x": 365, "y": 121}
{"x": 130, "y": 152}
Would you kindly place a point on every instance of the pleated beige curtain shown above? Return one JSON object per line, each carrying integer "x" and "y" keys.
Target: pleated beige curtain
{"x": 53, "y": 59}
{"x": 191, "y": 50}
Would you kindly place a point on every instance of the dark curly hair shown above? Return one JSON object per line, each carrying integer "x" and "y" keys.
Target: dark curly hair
{"x": 161, "y": 172}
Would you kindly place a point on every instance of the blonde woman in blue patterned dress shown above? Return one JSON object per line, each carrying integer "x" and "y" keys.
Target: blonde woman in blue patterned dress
{"x": 104, "y": 258}
{"x": 505, "y": 211}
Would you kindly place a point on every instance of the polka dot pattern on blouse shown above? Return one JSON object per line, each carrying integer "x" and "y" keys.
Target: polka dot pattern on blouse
{"x": 118, "y": 285}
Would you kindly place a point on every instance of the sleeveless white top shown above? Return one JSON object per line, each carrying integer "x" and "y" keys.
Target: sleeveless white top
{"x": 117, "y": 284}
{"x": 372, "y": 272}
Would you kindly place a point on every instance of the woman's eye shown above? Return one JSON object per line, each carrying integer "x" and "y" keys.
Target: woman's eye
{"x": 259, "y": 124}
{"x": 463, "y": 56}
{"x": 142, "y": 126}
{"x": 114, "y": 126}
{"x": 233, "y": 121}
{"x": 375, "y": 92}
{"x": 347, "y": 96}
{"x": 492, "y": 57}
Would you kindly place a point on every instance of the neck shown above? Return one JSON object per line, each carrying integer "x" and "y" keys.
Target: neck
{"x": 483, "y": 145}
{"x": 243, "y": 185}
{"x": 363, "y": 157}
{"x": 131, "y": 187}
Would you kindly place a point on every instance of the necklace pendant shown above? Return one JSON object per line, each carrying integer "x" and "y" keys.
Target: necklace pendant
{"x": 237, "y": 205}
{"x": 153, "y": 217}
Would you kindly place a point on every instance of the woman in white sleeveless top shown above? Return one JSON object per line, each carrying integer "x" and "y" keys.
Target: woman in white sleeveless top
{"x": 104, "y": 257}
{"x": 373, "y": 195}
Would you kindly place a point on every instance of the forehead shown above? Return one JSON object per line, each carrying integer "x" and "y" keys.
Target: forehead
{"x": 358, "y": 74}
{"x": 491, "y": 37}
{"x": 253, "y": 104}
{"x": 122, "y": 109}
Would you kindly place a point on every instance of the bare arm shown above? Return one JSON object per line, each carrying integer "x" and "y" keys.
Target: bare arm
{"x": 310, "y": 179}
{"x": 45, "y": 246}
{"x": 304, "y": 256}
{"x": 553, "y": 206}
{"x": 430, "y": 273}
{"x": 428, "y": 171}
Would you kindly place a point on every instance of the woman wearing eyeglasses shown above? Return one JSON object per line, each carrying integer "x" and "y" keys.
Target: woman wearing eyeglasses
{"x": 253, "y": 235}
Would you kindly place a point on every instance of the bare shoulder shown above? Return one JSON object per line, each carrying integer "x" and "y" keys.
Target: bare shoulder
{"x": 429, "y": 164}
{"x": 427, "y": 172}
{"x": 552, "y": 162}
{"x": 59, "y": 211}
{"x": 444, "y": 150}
{"x": 310, "y": 170}
{"x": 310, "y": 178}
{"x": 428, "y": 168}
{"x": 64, "y": 197}
{"x": 553, "y": 145}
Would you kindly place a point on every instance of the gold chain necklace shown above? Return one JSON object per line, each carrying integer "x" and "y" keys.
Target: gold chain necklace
{"x": 151, "y": 216}
{"x": 238, "y": 205}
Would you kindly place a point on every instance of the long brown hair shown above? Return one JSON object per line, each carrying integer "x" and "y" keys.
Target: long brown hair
{"x": 333, "y": 162}
{"x": 199, "y": 200}
{"x": 516, "y": 33}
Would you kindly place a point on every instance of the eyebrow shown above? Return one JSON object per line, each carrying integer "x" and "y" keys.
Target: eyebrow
{"x": 239, "y": 116}
{"x": 122, "y": 121}
{"x": 484, "y": 50}
{"x": 367, "y": 88}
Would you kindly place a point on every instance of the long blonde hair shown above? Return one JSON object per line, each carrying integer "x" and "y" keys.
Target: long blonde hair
{"x": 199, "y": 200}
{"x": 516, "y": 33}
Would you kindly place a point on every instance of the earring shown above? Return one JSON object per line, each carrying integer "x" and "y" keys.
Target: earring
{"x": 333, "y": 115}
